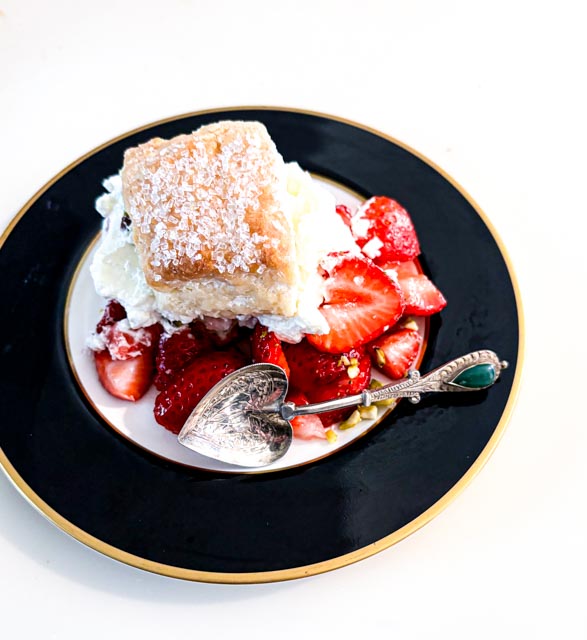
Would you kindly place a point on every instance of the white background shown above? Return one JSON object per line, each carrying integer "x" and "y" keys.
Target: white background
{"x": 494, "y": 94}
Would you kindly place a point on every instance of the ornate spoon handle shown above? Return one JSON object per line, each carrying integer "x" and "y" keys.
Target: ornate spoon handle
{"x": 471, "y": 372}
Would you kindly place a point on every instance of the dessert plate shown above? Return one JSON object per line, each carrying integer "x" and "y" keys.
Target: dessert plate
{"x": 206, "y": 525}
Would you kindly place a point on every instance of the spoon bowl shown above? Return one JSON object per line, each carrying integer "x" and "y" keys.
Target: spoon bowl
{"x": 239, "y": 420}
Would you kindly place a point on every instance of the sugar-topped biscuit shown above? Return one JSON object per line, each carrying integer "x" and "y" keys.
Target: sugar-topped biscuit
{"x": 210, "y": 221}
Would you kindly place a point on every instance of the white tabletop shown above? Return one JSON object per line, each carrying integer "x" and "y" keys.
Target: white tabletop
{"x": 494, "y": 94}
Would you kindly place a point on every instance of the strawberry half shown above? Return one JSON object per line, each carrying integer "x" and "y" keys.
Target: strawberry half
{"x": 126, "y": 366}
{"x": 421, "y": 295}
{"x": 266, "y": 347}
{"x": 305, "y": 427}
{"x": 176, "y": 351}
{"x": 384, "y": 231}
{"x": 395, "y": 352}
{"x": 354, "y": 379}
{"x": 174, "y": 404}
{"x": 360, "y": 302}
{"x": 126, "y": 379}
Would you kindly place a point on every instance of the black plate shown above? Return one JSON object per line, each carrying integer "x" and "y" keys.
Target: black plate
{"x": 169, "y": 519}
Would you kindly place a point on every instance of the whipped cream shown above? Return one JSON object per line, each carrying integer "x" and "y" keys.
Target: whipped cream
{"x": 115, "y": 268}
{"x": 318, "y": 230}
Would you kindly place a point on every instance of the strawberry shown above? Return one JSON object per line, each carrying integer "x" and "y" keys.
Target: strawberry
{"x": 125, "y": 367}
{"x": 354, "y": 379}
{"x": 360, "y": 302}
{"x": 266, "y": 347}
{"x": 113, "y": 312}
{"x": 310, "y": 368}
{"x": 345, "y": 213}
{"x": 176, "y": 351}
{"x": 421, "y": 296}
{"x": 401, "y": 269}
{"x": 126, "y": 379}
{"x": 384, "y": 231}
{"x": 123, "y": 342}
{"x": 219, "y": 331}
{"x": 308, "y": 427}
{"x": 174, "y": 404}
{"x": 395, "y": 351}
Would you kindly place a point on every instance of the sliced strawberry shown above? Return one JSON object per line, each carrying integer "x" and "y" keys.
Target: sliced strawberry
{"x": 174, "y": 404}
{"x": 266, "y": 347}
{"x": 310, "y": 368}
{"x": 355, "y": 378}
{"x": 401, "y": 269}
{"x": 113, "y": 312}
{"x": 176, "y": 351}
{"x": 126, "y": 379}
{"x": 123, "y": 342}
{"x": 360, "y": 302}
{"x": 394, "y": 352}
{"x": 384, "y": 231}
{"x": 421, "y": 296}
{"x": 308, "y": 427}
{"x": 345, "y": 213}
{"x": 126, "y": 366}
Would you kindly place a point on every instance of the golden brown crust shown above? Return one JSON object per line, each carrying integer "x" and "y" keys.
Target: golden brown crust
{"x": 208, "y": 206}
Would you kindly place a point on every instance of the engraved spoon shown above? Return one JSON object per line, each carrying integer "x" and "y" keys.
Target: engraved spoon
{"x": 244, "y": 419}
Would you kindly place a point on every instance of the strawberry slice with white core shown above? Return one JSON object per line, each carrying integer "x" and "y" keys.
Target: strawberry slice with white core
{"x": 421, "y": 296}
{"x": 395, "y": 352}
{"x": 384, "y": 231}
{"x": 360, "y": 302}
{"x": 308, "y": 427}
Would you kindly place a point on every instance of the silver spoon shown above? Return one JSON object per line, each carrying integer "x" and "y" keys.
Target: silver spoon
{"x": 244, "y": 419}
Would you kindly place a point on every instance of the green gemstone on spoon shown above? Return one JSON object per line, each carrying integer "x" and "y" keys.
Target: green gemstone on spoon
{"x": 476, "y": 377}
